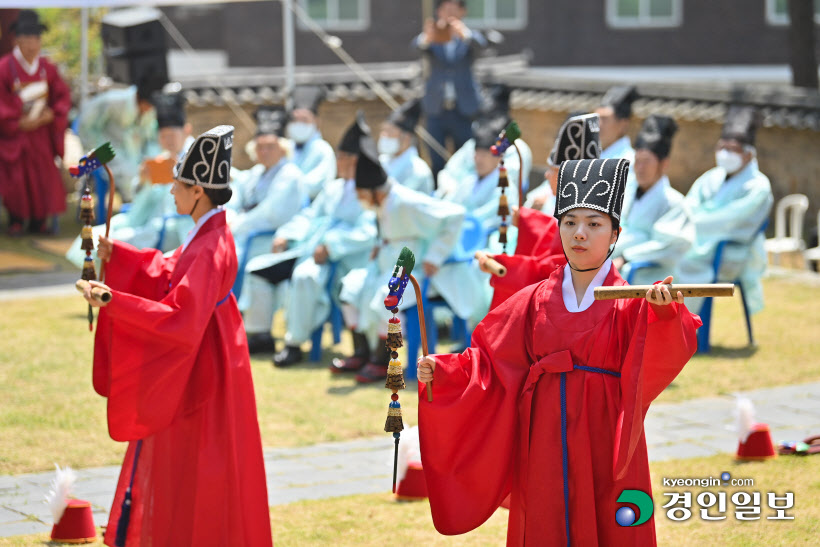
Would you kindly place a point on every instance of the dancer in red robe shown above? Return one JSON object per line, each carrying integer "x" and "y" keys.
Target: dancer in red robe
{"x": 538, "y": 251}
{"x": 548, "y": 403}
{"x": 171, "y": 357}
{"x": 34, "y": 104}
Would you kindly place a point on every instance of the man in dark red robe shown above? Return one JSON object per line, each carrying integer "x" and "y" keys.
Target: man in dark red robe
{"x": 34, "y": 104}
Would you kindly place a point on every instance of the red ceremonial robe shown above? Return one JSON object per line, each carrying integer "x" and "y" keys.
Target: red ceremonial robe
{"x": 537, "y": 253}
{"x": 31, "y": 185}
{"x": 172, "y": 358}
{"x": 495, "y": 424}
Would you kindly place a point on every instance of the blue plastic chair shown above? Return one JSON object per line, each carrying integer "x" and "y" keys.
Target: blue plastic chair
{"x": 473, "y": 238}
{"x": 704, "y": 344}
{"x": 240, "y": 272}
{"x": 334, "y": 318}
{"x": 164, "y": 229}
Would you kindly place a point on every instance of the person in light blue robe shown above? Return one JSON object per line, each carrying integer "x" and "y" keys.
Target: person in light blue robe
{"x": 152, "y": 210}
{"x": 265, "y": 196}
{"x": 333, "y": 229}
{"x": 428, "y": 226}
{"x": 397, "y": 150}
{"x": 648, "y": 198}
{"x": 312, "y": 154}
{"x": 730, "y": 202}
{"x": 125, "y": 118}
{"x": 468, "y": 288}
{"x": 615, "y": 112}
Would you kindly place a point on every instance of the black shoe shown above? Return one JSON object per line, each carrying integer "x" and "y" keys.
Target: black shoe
{"x": 361, "y": 355}
{"x": 288, "y": 356}
{"x": 261, "y": 342}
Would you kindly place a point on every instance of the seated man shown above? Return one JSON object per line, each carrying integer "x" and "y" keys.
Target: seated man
{"x": 495, "y": 104}
{"x": 312, "y": 154}
{"x": 614, "y": 113}
{"x": 398, "y": 152}
{"x": 647, "y": 233}
{"x": 268, "y": 194}
{"x": 730, "y": 202}
{"x": 467, "y": 287}
{"x": 334, "y": 228}
{"x": 126, "y": 119}
{"x": 153, "y": 206}
{"x": 429, "y": 227}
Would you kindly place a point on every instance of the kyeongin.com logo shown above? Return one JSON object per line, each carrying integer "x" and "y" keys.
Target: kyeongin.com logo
{"x": 626, "y": 516}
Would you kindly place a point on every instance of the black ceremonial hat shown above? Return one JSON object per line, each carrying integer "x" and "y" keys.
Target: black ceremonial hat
{"x": 406, "y": 117}
{"x": 741, "y": 124}
{"x": 170, "y": 109}
{"x": 620, "y": 98}
{"x": 28, "y": 24}
{"x": 357, "y": 130}
{"x": 486, "y": 131}
{"x": 208, "y": 161}
{"x": 594, "y": 184}
{"x": 369, "y": 171}
{"x": 270, "y": 120}
{"x": 308, "y": 96}
{"x": 578, "y": 139}
{"x": 656, "y": 135}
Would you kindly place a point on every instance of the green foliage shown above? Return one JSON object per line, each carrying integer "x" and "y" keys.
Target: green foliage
{"x": 61, "y": 42}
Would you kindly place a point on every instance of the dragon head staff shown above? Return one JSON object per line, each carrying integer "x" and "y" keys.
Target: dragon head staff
{"x": 401, "y": 276}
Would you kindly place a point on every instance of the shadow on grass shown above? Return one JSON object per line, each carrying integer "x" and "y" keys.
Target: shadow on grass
{"x": 732, "y": 352}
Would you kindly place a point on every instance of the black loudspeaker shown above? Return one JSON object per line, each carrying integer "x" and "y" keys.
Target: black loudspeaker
{"x": 138, "y": 69}
{"x": 134, "y": 46}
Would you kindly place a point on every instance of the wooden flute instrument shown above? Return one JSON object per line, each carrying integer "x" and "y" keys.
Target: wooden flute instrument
{"x": 491, "y": 265}
{"x": 97, "y": 293}
{"x": 639, "y": 291}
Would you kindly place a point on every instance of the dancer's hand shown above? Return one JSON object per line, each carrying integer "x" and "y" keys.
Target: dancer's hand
{"x": 426, "y": 366}
{"x": 660, "y": 296}
{"x": 105, "y": 247}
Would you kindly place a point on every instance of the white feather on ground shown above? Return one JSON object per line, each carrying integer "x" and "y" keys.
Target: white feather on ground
{"x": 57, "y": 498}
{"x": 409, "y": 450}
{"x": 745, "y": 416}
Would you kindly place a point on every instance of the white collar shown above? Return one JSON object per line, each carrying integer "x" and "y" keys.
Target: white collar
{"x": 568, "y": 290}
{"x": 30, "y": 69}
{"x": 202, "y": 220}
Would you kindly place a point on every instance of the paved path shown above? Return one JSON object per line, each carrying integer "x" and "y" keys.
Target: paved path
{"x": 690, "y": 429}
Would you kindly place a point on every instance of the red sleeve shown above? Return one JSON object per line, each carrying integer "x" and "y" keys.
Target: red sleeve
{"x": 661, "y": 344}
{"x": 149, "y": 350}
{"x": 468, "y": 432}
{"x": 144, "y": 273}
{"x": 59, "y": 100}
{"x": 11, "y": 107}
{"x": 536, "y": 232}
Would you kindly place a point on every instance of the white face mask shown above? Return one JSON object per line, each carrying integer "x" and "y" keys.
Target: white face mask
{"x": 388, "y": 145}
{"x": 731, "y": 162}
{"x": 300, "y": 132}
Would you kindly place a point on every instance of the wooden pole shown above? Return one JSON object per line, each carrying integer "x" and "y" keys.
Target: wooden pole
{"x": 423, "y": 329}
{"x": 491, "y": 265}
{"x": 639, "y": 291}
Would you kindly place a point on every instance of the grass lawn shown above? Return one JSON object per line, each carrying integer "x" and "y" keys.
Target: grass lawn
{"x": 50, "y": 413}
{"x": 376, "y": 519}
